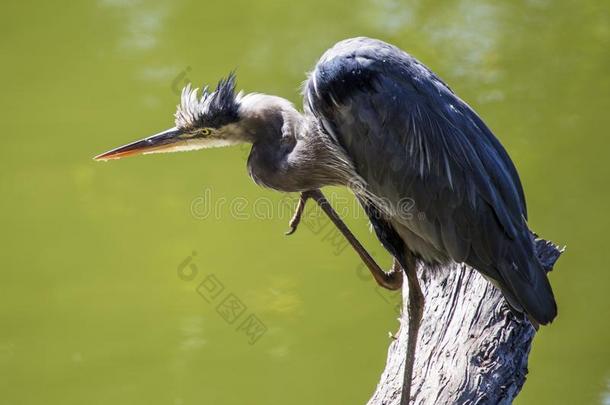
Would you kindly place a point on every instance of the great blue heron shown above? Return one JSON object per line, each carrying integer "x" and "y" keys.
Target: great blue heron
{"x": 378, "y": 121}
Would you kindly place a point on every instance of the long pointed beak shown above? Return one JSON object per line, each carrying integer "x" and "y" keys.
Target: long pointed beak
{"x": 162, "y": 141}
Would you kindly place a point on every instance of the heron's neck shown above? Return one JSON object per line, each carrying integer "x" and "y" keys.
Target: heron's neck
{"x": 289, "y": 150}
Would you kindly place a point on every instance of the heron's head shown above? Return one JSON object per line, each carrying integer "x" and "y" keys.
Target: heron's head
{"x": 209, "y": 120}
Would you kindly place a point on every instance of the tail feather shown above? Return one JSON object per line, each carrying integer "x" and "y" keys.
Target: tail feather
{"x": 522, "y": 278}
{"x": 533, "y": 293}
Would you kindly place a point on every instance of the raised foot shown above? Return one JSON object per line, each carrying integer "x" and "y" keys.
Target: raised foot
{"x": 298, "y": 213}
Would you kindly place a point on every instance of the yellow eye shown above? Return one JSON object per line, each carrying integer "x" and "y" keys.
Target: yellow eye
{"x": 206, "y": 131}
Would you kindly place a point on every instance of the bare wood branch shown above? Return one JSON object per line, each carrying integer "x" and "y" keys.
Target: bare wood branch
{"x": 471, "y": 347}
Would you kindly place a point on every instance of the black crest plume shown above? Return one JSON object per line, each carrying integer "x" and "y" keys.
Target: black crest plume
{"x": 212, "y": 110}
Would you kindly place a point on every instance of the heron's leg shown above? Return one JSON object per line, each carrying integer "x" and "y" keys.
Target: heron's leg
{"x": 416, "y": 311}
{"x": 391, "y": 280}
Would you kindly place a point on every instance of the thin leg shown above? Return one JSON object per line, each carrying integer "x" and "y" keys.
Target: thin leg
{"x": 391, "y": 280}
{"x": 416, "y": 311}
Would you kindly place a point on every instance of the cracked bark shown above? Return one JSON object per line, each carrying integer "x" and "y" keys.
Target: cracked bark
{"x": 471, "y": 348}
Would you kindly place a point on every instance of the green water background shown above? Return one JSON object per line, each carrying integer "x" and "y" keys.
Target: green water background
{"x": 92, "y": 307}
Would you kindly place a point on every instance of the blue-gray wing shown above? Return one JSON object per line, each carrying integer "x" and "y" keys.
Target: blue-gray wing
{"x": 412, "y": 139}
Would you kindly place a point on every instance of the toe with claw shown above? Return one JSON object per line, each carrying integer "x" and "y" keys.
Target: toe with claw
{"x": 298, "y": 213}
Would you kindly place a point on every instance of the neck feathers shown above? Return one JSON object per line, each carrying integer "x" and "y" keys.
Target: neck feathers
{"x": 290, "y": 152}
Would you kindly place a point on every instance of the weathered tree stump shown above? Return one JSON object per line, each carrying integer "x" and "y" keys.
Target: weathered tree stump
{"x": 471, "y": 348}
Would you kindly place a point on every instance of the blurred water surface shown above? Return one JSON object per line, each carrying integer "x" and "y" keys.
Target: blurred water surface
{"x": 103, "y": 264}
